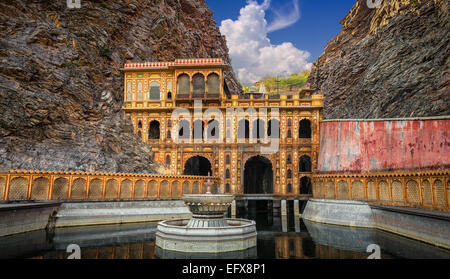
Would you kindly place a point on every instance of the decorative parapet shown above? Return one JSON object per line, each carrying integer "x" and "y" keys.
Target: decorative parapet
{"x": 427, "y": 189}
{"x": 39, "y": 185}
{"x": 176, "y": 63}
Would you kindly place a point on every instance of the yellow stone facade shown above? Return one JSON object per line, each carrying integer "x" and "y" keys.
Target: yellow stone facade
{"x": 142, "y": 82}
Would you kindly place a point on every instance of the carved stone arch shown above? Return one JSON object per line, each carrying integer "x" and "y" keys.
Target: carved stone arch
{"x": 439, "y": 192}
{"x": 139, "y": 189}
{"x": 247, "y": 156}
{"x": 78, "y": 191}
{"x": 427, "y": 193}
{"x": 60, "y": 188}
{"x": 164, "y": 189}
{"x": 40, "y": 188}
{"x": 186, "y": 187}
{"x": 18, "y": 189}
{"x": 111, "y": 188}
{"x": 268, "y": 188}
{"x": 95, "y": 189}
{"x": 209, "y": 156}
{"x": 303, "y": 167}
{"x": 305, "y": 128}
{"x": 397, "y": 191}
{"x": 176, "y": 189}
{"x": 126, "y": 188}
{"x": 330, "y": 189}
{"x": 413, "y": 192}
{"x": 342, "y": 189}
{"x": 357, "y": 190}
{"x": 183, "y": 86}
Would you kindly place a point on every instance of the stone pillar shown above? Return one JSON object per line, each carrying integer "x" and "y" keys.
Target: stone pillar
{"x": 276, "y": 208}
{"x": 283, "y": 208}
{"x": 233, "y": 209}
{"x": 296, "y": 209}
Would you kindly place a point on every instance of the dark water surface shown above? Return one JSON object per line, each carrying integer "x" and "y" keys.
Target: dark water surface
{"x": 278, "y": 238}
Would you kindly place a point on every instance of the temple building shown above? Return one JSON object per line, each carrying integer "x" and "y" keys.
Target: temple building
{"x": 230, "y": 146}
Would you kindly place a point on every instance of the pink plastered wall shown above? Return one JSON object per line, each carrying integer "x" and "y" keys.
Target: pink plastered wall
{"x": 376, "y": 146}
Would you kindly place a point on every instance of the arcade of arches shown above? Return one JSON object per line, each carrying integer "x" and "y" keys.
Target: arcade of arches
{"x": 240, "y": 165}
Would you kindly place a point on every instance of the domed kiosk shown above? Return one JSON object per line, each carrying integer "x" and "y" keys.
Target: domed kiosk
{"x": 208, "y": 231}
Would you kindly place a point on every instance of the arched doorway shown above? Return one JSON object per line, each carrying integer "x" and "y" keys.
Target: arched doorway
{"x": 153, "y": 131}
{"x": 258, "y": 176}
{"x": 305, "y": 186}
{"x": 304, "y": 164}
{"x": 197, "y": 165}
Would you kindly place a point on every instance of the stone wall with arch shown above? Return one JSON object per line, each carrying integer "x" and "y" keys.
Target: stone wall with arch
{"x": 413, "y": 189}
{"x": 65, "y": 186}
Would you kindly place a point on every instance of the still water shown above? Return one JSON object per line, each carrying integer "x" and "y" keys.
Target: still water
{"x": 278, "y": 238}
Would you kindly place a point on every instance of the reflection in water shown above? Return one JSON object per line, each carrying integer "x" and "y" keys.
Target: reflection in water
{"x": 278, "y": 238}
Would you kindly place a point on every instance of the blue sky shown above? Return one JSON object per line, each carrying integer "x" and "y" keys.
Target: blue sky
{"x": 307, "y": 24}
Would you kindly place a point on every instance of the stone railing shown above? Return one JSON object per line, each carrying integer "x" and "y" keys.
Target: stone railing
{"x": 20, "y": 185}
{"x": 427, "y": 189}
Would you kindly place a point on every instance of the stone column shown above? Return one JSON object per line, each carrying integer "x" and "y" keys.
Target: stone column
{"x": 233, "y": 209}
{"x": 283, "y": 208}
{"x": 296, "y": 209}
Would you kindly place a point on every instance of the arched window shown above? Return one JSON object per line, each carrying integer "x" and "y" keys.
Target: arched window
{"x": 305, "y": 164}
{"x": 289, "y": 159}
{"x": 305, "y": 185}
{"x": 243, "y": 129}
{"x": 139, "y": 124}
{"x": 140, "y": 91}
{"x": 289, "y": 134}
{"x": 153, "y": 131}
{"x": 169, "y": 123}
{"x": 289, "y": 122}
{"x": 273, "y": 129}
{"x": 227, "y": 173}
{"x": 169, "y": 95}
{"x": 305, "y": 129}
{"x": 213, "y": 129}
{"x": 227, "y": 188}
{"x": 155, "y": 91}
{"x": 289, "y": 174}
{"x": 227, "y": 159}
{"x": 184, "y": 130}
{"x": 129, "y": 91}
{"x": 289, "y": 188}
{"x": 169, "y": 134}
{"x": 198, "y": 129}
{"x": 168, "y": 160}
{"x": 198, "y": 84}
{"x": 258, "y": 129}
{"x": 184, "y": 86}
{"x": 213, "y": 84}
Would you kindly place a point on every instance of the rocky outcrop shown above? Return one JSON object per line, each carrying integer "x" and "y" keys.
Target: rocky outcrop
{"x": 387, "y": 62}
{"x": 61, "y": 89}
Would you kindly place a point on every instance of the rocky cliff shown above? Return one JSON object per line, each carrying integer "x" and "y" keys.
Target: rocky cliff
{"x": 61, "y": 90}
{"x": 392, "y": 61}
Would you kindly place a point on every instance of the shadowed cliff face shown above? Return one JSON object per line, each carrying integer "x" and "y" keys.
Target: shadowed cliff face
{"x": 388, "y": 62}
{"x": 61, "y": 90}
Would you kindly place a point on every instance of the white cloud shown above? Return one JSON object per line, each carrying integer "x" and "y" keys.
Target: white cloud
{"x": 252, "y": 54}
{"x": 285, "y": 19}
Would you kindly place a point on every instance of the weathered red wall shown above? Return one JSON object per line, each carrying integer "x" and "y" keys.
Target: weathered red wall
{"x": 373, "y": 146}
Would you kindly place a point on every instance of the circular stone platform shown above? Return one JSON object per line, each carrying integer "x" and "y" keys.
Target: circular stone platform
{"x": 208, "y": 231}
{"x": 174, "y": 235}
